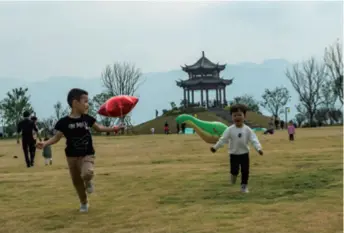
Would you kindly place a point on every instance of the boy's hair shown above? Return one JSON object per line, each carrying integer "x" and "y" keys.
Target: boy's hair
{"x": 33, "y": 118}
{"x": 46, "y": 138}
{"x": 75, "y": 94}
{"x": 26, "y": 114}
{"x": 238, "y": 108}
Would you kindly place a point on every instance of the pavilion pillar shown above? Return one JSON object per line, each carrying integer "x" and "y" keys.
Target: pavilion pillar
{"x": 220, "y": 96}
{"x": 202, "y": 97}
{"x": 207, "y": 97}
{"x": 188, "y": 96}
{"x": 217, "y": 97}
{"x": 185, "y": 101}
{"x": 224, "y": 95}
{"x": 192, "y": 97}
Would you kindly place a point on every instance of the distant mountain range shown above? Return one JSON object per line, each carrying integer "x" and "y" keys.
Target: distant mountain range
{"x": 159, "y": 88}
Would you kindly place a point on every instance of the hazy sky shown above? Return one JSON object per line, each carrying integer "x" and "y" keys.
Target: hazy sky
{"x": 42, "y": 39}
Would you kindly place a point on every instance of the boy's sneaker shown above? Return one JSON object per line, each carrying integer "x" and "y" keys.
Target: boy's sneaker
{"x": 51, "y": 162}
{"x": 244, "y": 188}
{"x": 233, "y": 179}
{"x": 83, "y": 208}
{"x": 89, "y": 187}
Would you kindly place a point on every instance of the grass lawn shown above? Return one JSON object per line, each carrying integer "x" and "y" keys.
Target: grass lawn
{"x": 172, "y": 183}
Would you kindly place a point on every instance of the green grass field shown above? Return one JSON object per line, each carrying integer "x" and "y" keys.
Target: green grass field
{"x": 172, "y": 183}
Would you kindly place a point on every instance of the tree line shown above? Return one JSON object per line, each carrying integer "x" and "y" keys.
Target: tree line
{"x": 318, "y": 83}
{"x": 117, "y": 79}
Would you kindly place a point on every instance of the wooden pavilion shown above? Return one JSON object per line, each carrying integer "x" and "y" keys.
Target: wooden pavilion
{"x": 204, "y": 76}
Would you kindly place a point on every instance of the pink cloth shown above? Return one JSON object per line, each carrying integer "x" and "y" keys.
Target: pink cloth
{"x": 291, "y": 129}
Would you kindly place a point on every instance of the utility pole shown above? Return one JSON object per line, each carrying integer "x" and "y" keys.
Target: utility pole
{"x": 286, "y": 110}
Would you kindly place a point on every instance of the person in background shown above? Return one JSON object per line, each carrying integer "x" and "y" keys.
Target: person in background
{"x": 282, "y": 124}
{"x": 152, "y": 130}
{"x": 34, "y": 134}
{"x": 166, "y": 128}
{"x": 291, "y": 130}
{"x": 183, "y": 126}
{"x": 47, "y": 154}
{"x": 26, "y": 127}
{"x": 270, "y": 129}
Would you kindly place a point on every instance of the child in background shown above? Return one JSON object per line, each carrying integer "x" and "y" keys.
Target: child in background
{"x": 291, "y": 131}
{"x": 47, "y": 154}
{"x": 239, "y": 135}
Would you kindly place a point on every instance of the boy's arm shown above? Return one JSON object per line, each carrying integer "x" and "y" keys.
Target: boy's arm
{"x": 58, "y": 135}
{"x": 102, "y": 128}
{"x": 223, "y": 139}
{"x": 36, "y": 130}
{"x": 255, "y": 142}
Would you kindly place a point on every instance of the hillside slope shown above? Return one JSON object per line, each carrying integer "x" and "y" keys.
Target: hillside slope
{"x": 158, "y": 123}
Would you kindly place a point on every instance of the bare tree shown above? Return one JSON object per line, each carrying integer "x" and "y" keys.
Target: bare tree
{"x": 307, "y": 79}
{"x": 334, "y": 67}
{"x": 275, "y": 100}
{"x": 122, "y": 79}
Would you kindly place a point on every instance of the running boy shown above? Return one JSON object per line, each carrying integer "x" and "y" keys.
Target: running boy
{"x": 239, "y": 135}
{"x": 79, "y": 146}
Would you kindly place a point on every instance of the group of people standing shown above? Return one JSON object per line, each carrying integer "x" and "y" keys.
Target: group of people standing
{"x": 276, "y": 123}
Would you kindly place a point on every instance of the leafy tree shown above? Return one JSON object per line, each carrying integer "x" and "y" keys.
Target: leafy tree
{"x": 173, "y": 105}
{"x": 60, "y": 111}
{"x": 47, "y": 125}
{"x": 300, "y": 119}
{"x": 275, "y": 100}
{"x": 249, "y": 101}
{"x": 321, "y": 116}
{"x": 92, "y": 111}
{"x": 14, "y": 104}
{"x": 96, "y": 102}
{"x": 336, "y": 115}
{"x": 307, "y": 80}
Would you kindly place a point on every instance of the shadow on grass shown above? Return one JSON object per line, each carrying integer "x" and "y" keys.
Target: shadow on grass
{"x": 295, "y": 186}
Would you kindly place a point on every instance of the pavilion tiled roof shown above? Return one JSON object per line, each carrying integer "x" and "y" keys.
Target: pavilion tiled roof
{"x": 203, "y": 63}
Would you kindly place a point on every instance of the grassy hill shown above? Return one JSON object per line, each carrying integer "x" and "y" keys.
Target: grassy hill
{"x": 158, "y": 123}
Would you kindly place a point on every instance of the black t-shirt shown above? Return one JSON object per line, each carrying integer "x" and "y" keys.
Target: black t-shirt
{"x": 78, "y": 135}
{"x": 26, "y": 127}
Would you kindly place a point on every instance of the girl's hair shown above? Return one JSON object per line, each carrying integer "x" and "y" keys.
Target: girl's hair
{"x": 290, "y": 122}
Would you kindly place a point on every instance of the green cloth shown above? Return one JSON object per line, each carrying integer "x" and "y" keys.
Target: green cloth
{"x": 47, "y": 152}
